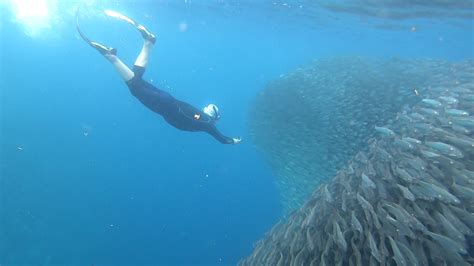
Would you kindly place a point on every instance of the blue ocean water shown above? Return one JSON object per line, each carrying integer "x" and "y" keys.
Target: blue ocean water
{"x": 90, "y": 176}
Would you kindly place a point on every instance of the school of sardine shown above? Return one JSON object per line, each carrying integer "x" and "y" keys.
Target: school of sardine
{"x": 310, "y": 122}
{"x": 406, "y": 198}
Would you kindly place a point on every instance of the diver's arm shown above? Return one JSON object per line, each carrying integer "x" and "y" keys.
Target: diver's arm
{"x": 213, "y": 131}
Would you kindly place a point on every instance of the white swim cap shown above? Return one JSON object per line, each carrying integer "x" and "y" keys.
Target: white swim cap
{"x": 212, "y": 111}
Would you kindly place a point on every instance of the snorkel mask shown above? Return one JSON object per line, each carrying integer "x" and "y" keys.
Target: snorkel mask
{"x": 212, "y": 111}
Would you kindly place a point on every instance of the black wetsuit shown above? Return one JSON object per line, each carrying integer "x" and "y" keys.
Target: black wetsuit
{"x": 179, "y": 114}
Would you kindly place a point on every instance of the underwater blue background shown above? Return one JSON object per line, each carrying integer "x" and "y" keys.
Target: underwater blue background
{"x": 90, "y": 176}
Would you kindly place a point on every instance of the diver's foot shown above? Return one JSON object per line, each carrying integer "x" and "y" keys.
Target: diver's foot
{"x": 147, "y": 35}
{"x": 104, "y": 50}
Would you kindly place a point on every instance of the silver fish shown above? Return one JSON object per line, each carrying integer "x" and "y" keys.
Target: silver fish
{"x": 423, "y": 214}
{"x": 455, "y": 221}
{"x": 404, "y": 145}
{"x": 456, "y": 112}
{"x": 429, "y": 112}
{"x": 367, "y": 182}
{"x": 281, "y": 260}
{"x": 431, "y": 103}
{"x": 463, "y": 192}
{"x": 311, "y": 217}
{"x": 448, "y": 244}
{"x": 418, "y": 249}
{"x": 448, "y": 100}
{"x": 449, "y": 228}
{"x": 368, "y": 210}
{"x": 373, "y": 247}
{"x": 439, "y": 253}
{"x": 403, "y": 216}
{"x": 417, "y": 116}
{"x": 405, "y": 118}
{"x": 384, "y": 155}
{"x": 448, "y": 162}
{"x": 406, "y": 193}
{"x": 410, "y": 257}
{"x": 428, "y": 154}
{"x": 417, "y": 164}
{"x": 467, "y": 122}
{"x": 465, "y": 176}
{"x": 466, "y": 217}
{"x": 327, "y": 194}
{"x": 412, "y": 140}
{"x": 343, "y": 201}
{"x": 356, "y": 253}
{"x": 338, "y": 236}
{"x": 397, "y": 255}
{"x": 355, "y": 223}
{"x": 429, "y": 191}
{"x": 423, "y": 128}
{"x": 445, "y": 149}
{"x": 385, "y": 131}
{"x": 309, "y": 239}
{"x": 469, "y": 97}
{"x": 299, "y": 257}
{"x": 404, "y": 175}
{"x": 462, "y": 179}
{"x": 460, "y": 129}
{"x": 441, "y": 132}
{"x": 468, "y": 173}
{"x": 382, "y": 247}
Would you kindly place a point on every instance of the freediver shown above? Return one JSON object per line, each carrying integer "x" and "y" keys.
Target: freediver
{"x": 177, "y": 113}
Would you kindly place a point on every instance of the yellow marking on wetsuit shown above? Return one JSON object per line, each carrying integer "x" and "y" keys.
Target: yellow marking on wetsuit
{"x": 197, "y": 116}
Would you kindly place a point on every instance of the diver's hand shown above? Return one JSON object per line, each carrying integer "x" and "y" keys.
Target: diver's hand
{"x": 237, "y": 140}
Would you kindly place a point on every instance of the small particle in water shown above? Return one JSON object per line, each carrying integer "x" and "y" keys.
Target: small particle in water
{"x": 86, "y": 130}
{"x": 207, "y": 175}
{"x": 19, "y": 148}
{"x": 413, "y": 29}
{"x": 183, "y": 26}
{"x": 416, "y": 92}
{"x": 111, "y": 225}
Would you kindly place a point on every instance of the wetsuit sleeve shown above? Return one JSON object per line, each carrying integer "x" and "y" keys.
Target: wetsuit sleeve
{"x": 213, "y": 131}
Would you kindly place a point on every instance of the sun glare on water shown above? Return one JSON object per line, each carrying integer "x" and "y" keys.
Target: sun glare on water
{"x": 34, "y": 15}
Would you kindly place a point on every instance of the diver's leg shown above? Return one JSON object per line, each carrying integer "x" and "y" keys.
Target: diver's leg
{"x": 142, "y": 59}
{"x": 111, "y": 55}
{"x": 123, "y": 70}
{"x": 148, "y": 36}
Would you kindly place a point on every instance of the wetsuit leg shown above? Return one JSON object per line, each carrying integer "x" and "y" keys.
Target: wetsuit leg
{"x": 157, "y": 100}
